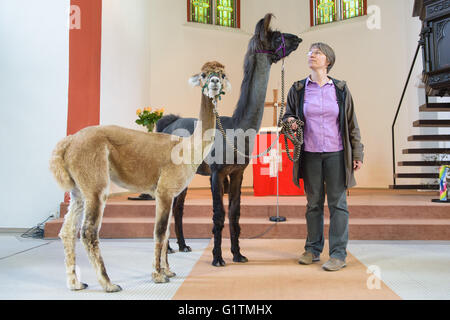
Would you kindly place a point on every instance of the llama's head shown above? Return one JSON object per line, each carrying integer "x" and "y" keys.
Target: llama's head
{"x": 278, "y": 45}
{"x": 212, "y": 79}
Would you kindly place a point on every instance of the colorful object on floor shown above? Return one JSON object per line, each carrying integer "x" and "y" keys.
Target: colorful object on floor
{"x": 265, "y": 168}
{"x": 443, "y": 187}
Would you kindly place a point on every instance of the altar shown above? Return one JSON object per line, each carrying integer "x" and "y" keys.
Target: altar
{"x": 265, "y": 168}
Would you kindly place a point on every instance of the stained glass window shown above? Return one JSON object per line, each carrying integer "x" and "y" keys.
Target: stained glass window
{"x": 326, "y": 11}
{"x": 352, "y": 8}
{"x": 200, "y": 11}
{"x": 224, "y": 13}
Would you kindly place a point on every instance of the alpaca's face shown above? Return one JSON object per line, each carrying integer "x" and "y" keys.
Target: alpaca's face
{"x": 212, "y": 83}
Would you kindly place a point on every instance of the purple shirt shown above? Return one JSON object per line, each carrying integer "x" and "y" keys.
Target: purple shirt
{"x": 321, "y": 111}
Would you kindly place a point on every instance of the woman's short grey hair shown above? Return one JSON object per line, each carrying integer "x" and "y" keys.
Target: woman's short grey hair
{"x": 327, "y": 51}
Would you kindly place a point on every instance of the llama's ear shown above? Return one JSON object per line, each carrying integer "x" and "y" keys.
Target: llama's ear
{"x": 195, "y": 80}
{"x": 267, "y": 19}
{"x": 263, "y": 27}
{"x": 227, "y": 85}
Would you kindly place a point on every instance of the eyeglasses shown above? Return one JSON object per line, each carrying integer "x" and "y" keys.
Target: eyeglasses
{"x": 316, "y": 53}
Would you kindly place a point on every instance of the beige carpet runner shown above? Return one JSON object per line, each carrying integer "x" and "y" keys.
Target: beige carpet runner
{"x": 273, "y": 273}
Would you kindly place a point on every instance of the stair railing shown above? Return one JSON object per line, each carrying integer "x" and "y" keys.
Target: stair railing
{"x": 399, "y": 106}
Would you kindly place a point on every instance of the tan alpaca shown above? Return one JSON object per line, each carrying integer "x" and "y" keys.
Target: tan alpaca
{"x": 86, "y": 162}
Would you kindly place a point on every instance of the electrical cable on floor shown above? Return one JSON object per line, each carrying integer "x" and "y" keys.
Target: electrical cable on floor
{"x": 14, "y": 254}
{"x": 264, "y": 232}
{"x": 36, "y": 232}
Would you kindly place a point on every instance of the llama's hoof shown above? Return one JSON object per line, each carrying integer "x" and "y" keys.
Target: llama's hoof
{"x": 218, "y": 262}
{"x": 169, "y": 273}
{"x": 185, "y": 249}
{"x": 240, "y": 258}
{"x": 170, "y": 250}
{"x": 159, "y": 277}
{"x": 78, "y": 286}
{"x": 113, "y": 288}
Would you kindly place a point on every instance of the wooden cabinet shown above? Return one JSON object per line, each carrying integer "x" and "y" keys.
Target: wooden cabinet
{"x": 435, "y": 40}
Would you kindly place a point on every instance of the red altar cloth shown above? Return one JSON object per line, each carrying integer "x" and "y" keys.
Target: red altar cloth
{"x": 263, "y": 183}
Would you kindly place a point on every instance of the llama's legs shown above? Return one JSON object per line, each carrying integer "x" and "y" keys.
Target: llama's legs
{"x": 226, "y": 185}
{"x": 178, "y": 210}
{"x": 94, "y": 205}
{"x": 218, "y": 217}
{"x": 164, "y": 258}
{"x": 161, "y": 237}
{"x": 234, "y": 213}
{"x": 68, "y": 235}
{"x": 169, "y": 249}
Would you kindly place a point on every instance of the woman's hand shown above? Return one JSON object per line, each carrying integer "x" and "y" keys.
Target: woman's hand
{"x": 357, "y": 164}
{"x": 294, "y": 125}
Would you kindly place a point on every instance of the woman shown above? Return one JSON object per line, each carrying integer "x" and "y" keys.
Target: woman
{"x": 331, "y": 152}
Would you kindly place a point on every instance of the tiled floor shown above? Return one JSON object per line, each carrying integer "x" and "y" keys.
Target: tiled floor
{"x": 34, "y": 269}
{"x": 412, "y": 269}
{"x": 39, "y": 272}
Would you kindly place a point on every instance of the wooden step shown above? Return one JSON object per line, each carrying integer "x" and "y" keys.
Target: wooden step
{"x": 415, "y": 187}
{"x": 427, "y": 151}
{"x": 417, "y": 175}
{"x": 432, "y": 123}
{"x": 294, "y": 228}
{"x": 430, "y": 137}
{"x": 432, "y": 107}
{"x": 374, "y": 214}
{"x": 424, "y": 163}
{"x": 119, "y": 210}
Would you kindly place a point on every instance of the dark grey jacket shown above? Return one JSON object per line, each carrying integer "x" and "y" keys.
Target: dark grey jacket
{"x": 351, "y": 137}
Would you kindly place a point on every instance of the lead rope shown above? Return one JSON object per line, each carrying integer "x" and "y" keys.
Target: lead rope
{"x": 296, "y": 137}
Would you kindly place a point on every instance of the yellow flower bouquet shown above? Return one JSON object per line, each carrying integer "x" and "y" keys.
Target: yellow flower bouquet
{"x": 148, "y": 118}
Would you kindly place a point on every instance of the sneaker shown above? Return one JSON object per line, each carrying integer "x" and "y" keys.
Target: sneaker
{"x": 333, "y": 264}
{"x": 308, "y": 258}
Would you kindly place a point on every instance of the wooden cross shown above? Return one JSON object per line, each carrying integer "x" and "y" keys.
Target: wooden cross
{"x": 275, "y": 104}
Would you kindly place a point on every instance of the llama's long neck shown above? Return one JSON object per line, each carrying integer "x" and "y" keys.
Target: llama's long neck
{"x": 203, "y": 137}
{"x": 250, "y": 108}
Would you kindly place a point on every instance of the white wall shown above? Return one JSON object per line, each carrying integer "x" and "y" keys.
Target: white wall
{"x": 33, "y": 106}
{"x": 125, "y": 63}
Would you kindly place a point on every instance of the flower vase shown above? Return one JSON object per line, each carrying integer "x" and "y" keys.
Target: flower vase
{"x": 150, "y": 127}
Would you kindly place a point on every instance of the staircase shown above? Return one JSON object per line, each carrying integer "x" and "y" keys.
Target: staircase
{"x": 375, "y": 214}
{"x": 444, "y": 123}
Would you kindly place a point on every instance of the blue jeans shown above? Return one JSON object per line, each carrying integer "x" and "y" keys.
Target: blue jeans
{"x": 319, "y": 169}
